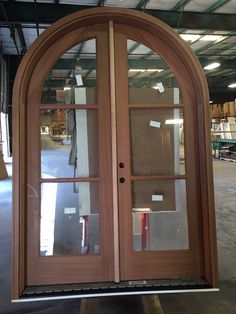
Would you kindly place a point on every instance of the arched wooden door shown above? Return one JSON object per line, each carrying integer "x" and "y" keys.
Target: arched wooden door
{"x": 127, "y": 195}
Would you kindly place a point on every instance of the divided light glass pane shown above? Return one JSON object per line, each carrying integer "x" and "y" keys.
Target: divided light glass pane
{"x": 159, "y": 214}
{"x": 151, "y": 81}
{"x": 69, "y": 143}
{"x": 157, "y": 142}
{"x": 69, "y": 222}
{"x": 72, "y": 79}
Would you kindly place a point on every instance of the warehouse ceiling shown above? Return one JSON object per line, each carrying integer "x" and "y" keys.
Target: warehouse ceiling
{"x": 208, "y": 26}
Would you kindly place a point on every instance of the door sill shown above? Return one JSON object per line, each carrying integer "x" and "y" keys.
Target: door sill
{"x": 137, "y": 287}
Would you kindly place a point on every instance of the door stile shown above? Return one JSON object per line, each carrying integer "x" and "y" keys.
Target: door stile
{"x": 123, "y": 149}
{"x": 114, "y": 153}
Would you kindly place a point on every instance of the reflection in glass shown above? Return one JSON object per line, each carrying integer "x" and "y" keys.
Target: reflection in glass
{"x": 157, "y": 145}
{"x": 69, "y": 143}
{"x": 151, "y": 81}
{"x": 159, "y": 212}
{"x": 72, "y": 79}
{"x": 69, "y": 219}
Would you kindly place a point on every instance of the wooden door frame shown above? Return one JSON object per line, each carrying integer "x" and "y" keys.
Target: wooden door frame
{"x": 198, "y": 89}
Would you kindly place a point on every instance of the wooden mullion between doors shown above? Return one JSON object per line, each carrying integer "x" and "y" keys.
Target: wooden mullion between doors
{"x": 123, "y": 150}
{"x": 114, "y": 153}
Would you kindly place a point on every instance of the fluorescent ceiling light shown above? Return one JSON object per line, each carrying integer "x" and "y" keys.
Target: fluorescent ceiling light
{"x": 141, "y": 209}
{"x": 144, "y": 70}
{"x": 67, "y": 88}
{"x": 195, "y": 37}
{"x": 233, "y": 85}
{"x": 190, "y": 37}
{"x": 154, "y": 70}
{"x": 174, "y": 121}
{"x": 136, "y": 70}
{"x": 212, "y": 38}
{"x": 212, "y": 66}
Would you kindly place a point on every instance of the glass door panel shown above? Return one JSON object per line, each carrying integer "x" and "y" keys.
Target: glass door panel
{"x": 69, "y": 143}
{"x": 69, "y": 218}
{"x": 73, "y": 78}
{"x": 159, "y": 215}
{"x": 150, "y": 79}
{"x": 69, "y": 170}
{"x": 157, "y": 210}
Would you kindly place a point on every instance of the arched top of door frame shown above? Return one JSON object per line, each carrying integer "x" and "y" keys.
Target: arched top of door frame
{"x": 194, "y": 82}
{"x": 124, "y": 16}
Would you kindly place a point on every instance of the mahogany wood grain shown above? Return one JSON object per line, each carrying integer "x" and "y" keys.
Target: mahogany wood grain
{"x": 123, "y": 32}
{"x": 114, "y": 153}
{"x": 123, "y": 153}
{"x": 99, "y": 268}
{"x": 201, "y": 259}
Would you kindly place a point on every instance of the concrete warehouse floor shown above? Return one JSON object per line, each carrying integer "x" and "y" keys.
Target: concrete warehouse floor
{"x": 223, "y": 302}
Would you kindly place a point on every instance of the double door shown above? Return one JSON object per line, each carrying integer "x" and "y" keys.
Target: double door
{"x": 111, "y": 168}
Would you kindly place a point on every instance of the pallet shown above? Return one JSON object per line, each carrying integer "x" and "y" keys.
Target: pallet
{"x": 3, "y": 169}
{"x": 119, "y": 305}
{"x": 228, "y": 159}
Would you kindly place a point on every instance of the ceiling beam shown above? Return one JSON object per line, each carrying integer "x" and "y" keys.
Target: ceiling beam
{"x": 142, "y": 4}
{"x": 133, "y": 47}
{"x": 36, "y": 16}
{"x": 60, "y": 83}
{"x": 224, "y": 63}
{"x": 213, "y": 85}
{"x": 180, "y": 4}
{"x": 217, "y": 51}
{"x": 226, "y": 77}
{"x": 101, "y": 3}
{"x": 22, "y": 38}
{"x": 218, "y": 93}
{"x": 5, "y": 17}
{"x": 222, "y": 95}
{"x": 48, "y": 13}
{"x": 90, "y": 64}
{"x": 218, "y": 4}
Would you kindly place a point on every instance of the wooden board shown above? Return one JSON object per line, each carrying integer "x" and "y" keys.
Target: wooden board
{"x": 3, "y": 169}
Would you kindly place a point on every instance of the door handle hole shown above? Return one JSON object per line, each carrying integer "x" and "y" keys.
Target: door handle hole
{"x": 121, "y": 165}
{"x": 122, "y": 180}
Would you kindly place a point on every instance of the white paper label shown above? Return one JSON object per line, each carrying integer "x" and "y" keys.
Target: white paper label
{"x": 155, "y": 124}
{"x": 70, "y": 210}
{"x": 160, "y": 87}
{"x": 79, "y": 81}
{"x": 157, "y": 198}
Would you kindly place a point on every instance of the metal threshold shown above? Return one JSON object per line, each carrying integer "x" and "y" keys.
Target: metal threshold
{"x": 138, "y": 287}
